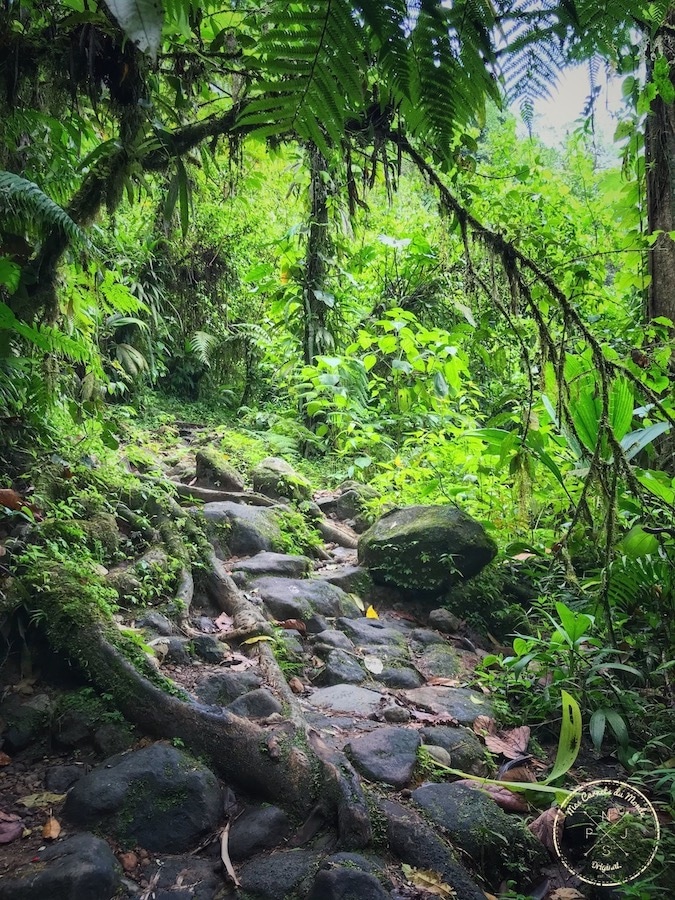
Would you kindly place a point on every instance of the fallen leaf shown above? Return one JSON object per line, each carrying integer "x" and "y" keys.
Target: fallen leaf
{"x": 258, "y": 639}
{"x": 293, "y": 625}
{"x": 296, "y": 685}
{"x": 503, "y": 797}
{"x": 5, "y": 760}
{"x": 484, "y": 725}
{"x": 35, "y": 801}
{"x": 10, "y": 828}
{"x": 518, "y": 774}
{"x": 444, "y": 682}
{"x": 373, "y": 664}
{"x": 358, "y": 602}
{"x": 371, "y": 613}
{"x": 225, "y": 855}
{"x": 543, "y": 827}
{"x": 427, "y": 880}
{"x": 51, "y": 829}
{"x": 224, "y": 622}
{"x": 566, "y": 894}
{"x": 129, "y": 861}
{"x": 511, "y": 744}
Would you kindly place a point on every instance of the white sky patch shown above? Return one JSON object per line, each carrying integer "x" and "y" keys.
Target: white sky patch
{"x": 562, "y": 112}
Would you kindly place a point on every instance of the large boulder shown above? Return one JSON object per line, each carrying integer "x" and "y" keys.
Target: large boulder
{"x": 282, "y": 565}
{"x": 243, "y": 529}
{"x": 81, "y": 867}
{"x": 297, "y": 598}
{"x": 158, "y": 797}
{"x": 425, "y": 548}
{"x": 277, "y": 479}
{"x": 501, "y": 846}
{"x": 214, "y": 471}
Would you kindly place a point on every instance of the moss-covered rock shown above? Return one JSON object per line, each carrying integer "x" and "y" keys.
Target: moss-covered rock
{"x": 215, "y": 471}
{"x": 277, "y": 479}
{"x": 425, "y": 548}
{"x": 101, "y": 531}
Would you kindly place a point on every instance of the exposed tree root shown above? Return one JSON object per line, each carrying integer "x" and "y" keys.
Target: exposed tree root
{"x": 208, "y": 495}
{"x": 330, "y": 532}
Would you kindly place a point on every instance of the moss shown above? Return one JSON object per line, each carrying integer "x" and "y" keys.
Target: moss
{"x": 297, "y": 536}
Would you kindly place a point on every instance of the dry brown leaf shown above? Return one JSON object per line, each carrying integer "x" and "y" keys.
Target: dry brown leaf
{"x": 484, "y": 725}
{"x": 444, "y": 682}
{"x": 45, "y": 799}
{"x": 508, "y": 800}
{"x": 5, "y": 760}
{"x": 293, "y": 625}
{"x": 225, "y": 855}
{"x": 543, "y": 827}
{"x": 518, "y": 772}
{"x": 566, "y": 894}
{"x": 511, "y": 744}
{"x": 296, "y": 685}
{"x": 224, "y": 622}
{"x": 51, "y": 829}
{"x": 10, "y": 831}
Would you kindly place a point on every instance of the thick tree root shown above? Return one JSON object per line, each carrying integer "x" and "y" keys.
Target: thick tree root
{"x": 207, "y": 495}
{"x": 330, "y": 532}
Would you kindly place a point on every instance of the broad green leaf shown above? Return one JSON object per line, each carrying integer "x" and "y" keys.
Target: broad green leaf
{"x": 638, "y": 543}
{"x": 597, "y": 728}
{"x": 141, "y": 21}
{"x": 620, "y": 407}
{"x": 585, "y": 412}
{"x": 618, "y": 725}
{"x": 657, "y": 483}
{"x": 637, "y": 440}
{"x": 570, "y": 738}
{"x": 10, "y": 274}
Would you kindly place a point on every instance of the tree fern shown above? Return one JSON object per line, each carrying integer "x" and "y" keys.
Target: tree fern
{"x": 23, "y": 200}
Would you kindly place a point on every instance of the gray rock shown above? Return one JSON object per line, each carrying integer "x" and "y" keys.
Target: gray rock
{"x": 390, "y": 654}
{"x": 426, "y": 637}
{"x": 257, "y": 828}
{"x": 256, "y": 704}
{"x": 316, "y": 624}
{"x": 500, "y": 845}
{"x": 59, "y": 778}
{"x": 347, "y": 698}
{"x": 223, "y": 688}
{"x": 244, "y": 529}
{"x": 352, "y": 579}
{"x": 425, "y": 548}
{"x": 177, "y": 651}
{"x": 113, "y": 737}
{"x": 283, "y": 874}
{"x": 26, "y": 722}
{"x": 81, "y": 867}
{"x": 282, "y": 565}
{"x": 397, "y": 715}
{"x": 416, "y": 843}
{"x": 365, "y": 631}
{"x": 371, "y": 865}
{"x": 156, "y": 622}
{"x": 460, "y": 703}
{"x": 443, "y": 620}
{"x": 439, "y": 661}
{"x": 341, "y": 668}
{"x": 331, "y": 638}
{"x": 208, "y": 648}
{"x": 465, "y": 750}
{"x": 400, "y": 678}
{"x": 198, "y": 875}
{"x": 346, "y": 883}
{"x": 292, "y": 642}
{"x": 387, "y": 755}
{"x": 291, "y": 598}
{"x": 72, "y": 728}
{"x": 214, "y": 471}
{"x": 278, "y": 479}
{"x": 157, "y": 797}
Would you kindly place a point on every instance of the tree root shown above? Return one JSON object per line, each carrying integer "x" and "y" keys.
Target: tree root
{"x": 207, "y": 495}
{"x": 330, "y": 532}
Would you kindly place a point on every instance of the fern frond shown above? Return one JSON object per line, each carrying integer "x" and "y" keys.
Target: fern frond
{"x": 201, "y": 343}
{"x": 23, "y": 200}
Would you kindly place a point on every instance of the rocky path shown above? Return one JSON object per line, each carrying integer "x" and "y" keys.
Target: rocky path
{"x": 379, "y": 678}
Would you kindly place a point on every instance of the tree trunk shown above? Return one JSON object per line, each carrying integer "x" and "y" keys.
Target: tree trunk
{"x": 660, "y": 166}
{"x": 318, "y": 248}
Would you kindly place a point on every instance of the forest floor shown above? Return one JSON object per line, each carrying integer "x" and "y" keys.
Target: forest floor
{"x": 387, "y": 681}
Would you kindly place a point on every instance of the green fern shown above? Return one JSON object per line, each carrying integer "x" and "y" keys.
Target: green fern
{"x": 23, "y": 200}
{"x": 201, "y": 344}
